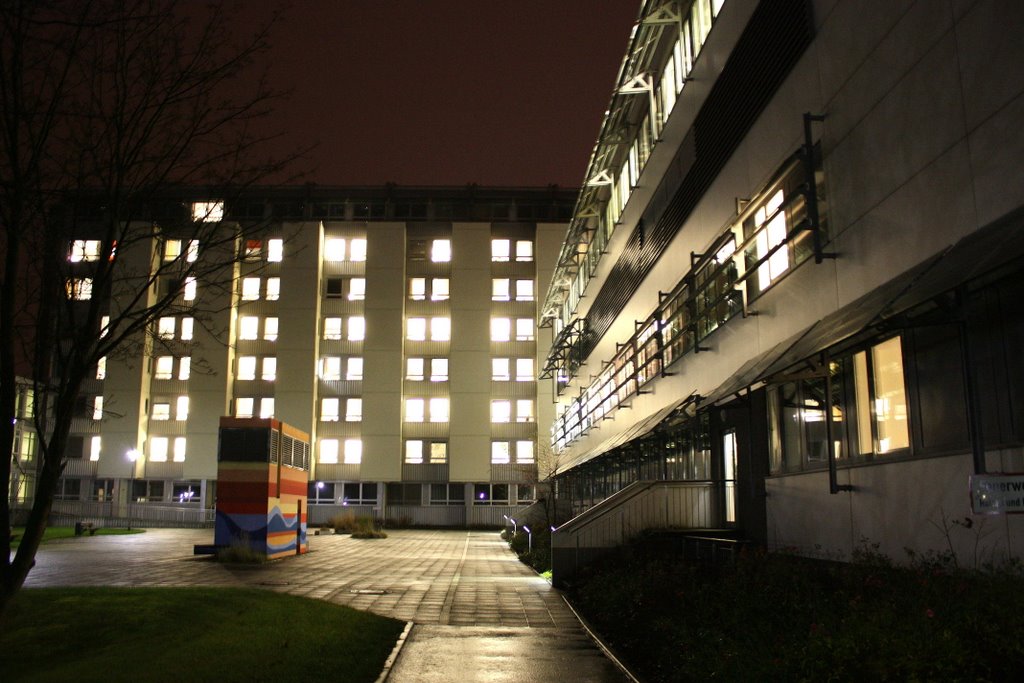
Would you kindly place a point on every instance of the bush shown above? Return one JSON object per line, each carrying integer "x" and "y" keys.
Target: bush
{"x": 358, "y": 527}
{"x": 241, "y": 552}
{"x": 536, "y": 554}
{"x": 778, "y": 617}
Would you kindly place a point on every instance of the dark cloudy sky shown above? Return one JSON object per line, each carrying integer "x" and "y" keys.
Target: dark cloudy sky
{"x": 496, "y": 92}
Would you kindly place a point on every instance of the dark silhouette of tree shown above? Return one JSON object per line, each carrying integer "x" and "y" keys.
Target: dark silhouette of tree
{"x": 107, "y": 107}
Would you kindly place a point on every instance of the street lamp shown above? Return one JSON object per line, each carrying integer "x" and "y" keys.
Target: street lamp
{"x": 319, "y": 487}
{"x": 133, "y": 455}
{"x": 529, "y": 539}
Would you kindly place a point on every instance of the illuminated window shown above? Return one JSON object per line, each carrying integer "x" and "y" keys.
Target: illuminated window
{"x": 334, "y": 249}
{"x": 500, "y": 289}
{"x": 438, "y": 369}
{"x": 440, "y": 329}
{"x": 330, "y": 368}
{"x": 84, "y": 250}
{"x": 275, "y": 250}
{"x": 357, "y": 249}
{"x": 441, "y": 251}
{"x": 246, "y": 367}
{"x": 161, "y": 411}
{"x": 189, "y": 293}
{"x": 499, "y": 452}
{"x": 269, "y": 373}
{"x": 181, "y": 408}
{"x": 524, "y": 410}
{"x": 439, "y": 289}
{"x": 501, "y": 411}
{"x": 501, "y": 329}
{"x": 329, "y": 409}
{"x": 416, "y": 329}
{"x": 524, "y": 452}
{"x": 500, "y": 250}
{"x": 179, "y": 449}
{"x": 172, "y": 249}
{"x": 524, "y": 250}
{"x": 770, "y": 220}
{"x": 101, "y": 368}
{"x": 270, "y": 329}
{"x": 524, "y": 369}
{"x": 97, "y": 408}
{"x": 414, "y": 410}
{"x": 104, "y": 326}
{"x": 273, "y": 288}
{"x": 253, "y": 250}
{"x": 332, "y": 328}
{"x": 356, "y": 328}
{"x": 95, "y": 444}
{"x": 208, "y": 212}
{"x": 353, "y": 451}
{"x": 164, "y": 367}
{"x": 353, "y": 410}
{"x": 439, "y": 409}
{"x": 354, "y": 369}
{"x": 158, "y": 449}
{"x": 184, "y": 367}
{"x": 417, "y": 288}
{"x": 357, "y": 289}
{"x": 524, "y": 290}
{"x": 192, "y": 251}
{"x": 887, "y": 406}
{"x": 244, "y": 407}
{"x": 248, "y": 327}
{"x": 413, "y": 452}
{"x": 266, "y": 408}
{"x": 187, "y": 327}
{"x": 414, "y": 368}
{"x": 79, "y": 288}
{"x": 524, "y": 329}
{"x": 500, "y": 369}
{"x": 329, "y": 451}
{"x": 438, "y": 452}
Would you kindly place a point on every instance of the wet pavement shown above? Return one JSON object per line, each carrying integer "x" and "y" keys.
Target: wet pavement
{"x": 478, "y": 613}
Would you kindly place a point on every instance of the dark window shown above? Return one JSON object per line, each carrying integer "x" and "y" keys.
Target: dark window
{"x": 403, "y": 494}
{"x": 335, "y": 287}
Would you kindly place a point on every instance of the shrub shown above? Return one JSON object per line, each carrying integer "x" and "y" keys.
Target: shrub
{"x": 348, "y": 523}
{"x": 778, "y": 617}
{"x": 241, "y": 552}
{"x": 367, "y": 528}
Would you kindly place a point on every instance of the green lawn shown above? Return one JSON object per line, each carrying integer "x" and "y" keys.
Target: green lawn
{"x": 189, "y": 634}
{"x": 52, "y": 533}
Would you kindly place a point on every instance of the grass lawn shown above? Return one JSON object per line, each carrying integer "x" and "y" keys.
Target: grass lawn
{"x": 52, "y": 533}
{"x": 193, "y": 634}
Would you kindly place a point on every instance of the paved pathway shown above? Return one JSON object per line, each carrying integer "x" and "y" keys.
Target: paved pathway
{"x": 479, "y": 613}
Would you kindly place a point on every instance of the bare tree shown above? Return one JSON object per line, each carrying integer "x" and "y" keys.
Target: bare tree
{"x": 106, "y": 107}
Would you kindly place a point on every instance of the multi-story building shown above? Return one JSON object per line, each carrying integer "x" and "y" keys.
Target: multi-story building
{"x": 788, "y": 284}
{"x": 397, "y": 326}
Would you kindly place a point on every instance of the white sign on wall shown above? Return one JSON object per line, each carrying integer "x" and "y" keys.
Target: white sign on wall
{"x": 997, "y": 493}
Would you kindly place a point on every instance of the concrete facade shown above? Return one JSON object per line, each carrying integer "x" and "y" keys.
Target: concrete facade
{"x": 915, "y": 159}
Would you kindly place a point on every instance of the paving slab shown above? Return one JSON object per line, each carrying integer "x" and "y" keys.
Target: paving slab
{"x": 479, "y": 614}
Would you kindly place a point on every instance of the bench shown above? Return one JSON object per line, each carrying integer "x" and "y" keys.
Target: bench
{"x": 82, "y": 527}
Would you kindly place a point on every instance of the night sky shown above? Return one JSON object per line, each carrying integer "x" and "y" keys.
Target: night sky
{"x": 448, "y": 92}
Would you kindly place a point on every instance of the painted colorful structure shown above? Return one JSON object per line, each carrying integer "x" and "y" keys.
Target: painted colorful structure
{"x": 262, "y": 480}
